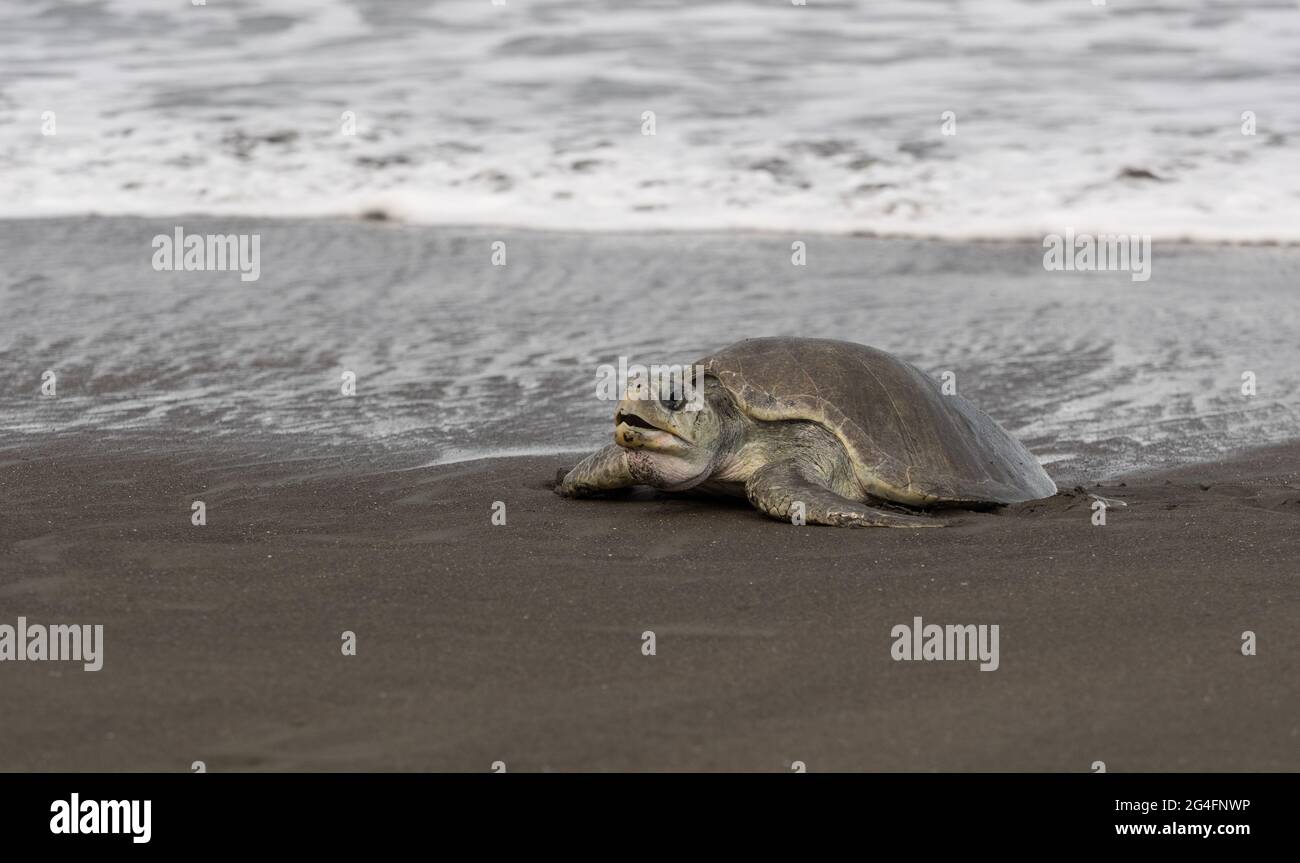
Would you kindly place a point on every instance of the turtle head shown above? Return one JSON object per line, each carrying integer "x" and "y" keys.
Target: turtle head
{"x": 676, "y": 433}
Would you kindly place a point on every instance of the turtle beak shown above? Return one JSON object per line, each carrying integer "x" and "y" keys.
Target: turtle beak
{"x": 643, "y": 424}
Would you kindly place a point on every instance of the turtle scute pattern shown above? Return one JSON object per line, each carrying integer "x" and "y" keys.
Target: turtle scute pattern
{"x": 904, "y": 436}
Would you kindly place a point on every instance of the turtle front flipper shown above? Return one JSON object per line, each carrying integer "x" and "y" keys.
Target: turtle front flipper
{"x": 604, "y": 470}
{"x": 778, "y": 488}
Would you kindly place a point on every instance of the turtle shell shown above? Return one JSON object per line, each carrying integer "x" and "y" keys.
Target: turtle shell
{"x": 907, "y": 440}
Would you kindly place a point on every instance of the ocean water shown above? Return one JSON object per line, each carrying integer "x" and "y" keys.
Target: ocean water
{"x": 456, "y": 358}
{"x": 466, "y": 123}
{"x": 827, "y": 117}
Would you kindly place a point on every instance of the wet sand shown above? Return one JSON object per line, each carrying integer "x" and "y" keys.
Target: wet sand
{"x": 522, "y": 643}
{"x": 457, "y": 358}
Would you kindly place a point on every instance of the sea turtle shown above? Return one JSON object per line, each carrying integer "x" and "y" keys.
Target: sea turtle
{"x": 850, "y": 432}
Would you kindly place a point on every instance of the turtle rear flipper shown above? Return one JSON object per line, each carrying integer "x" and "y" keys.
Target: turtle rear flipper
{"x": 778, "y": 488}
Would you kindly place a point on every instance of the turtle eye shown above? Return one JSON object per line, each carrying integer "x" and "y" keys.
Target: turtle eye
{"x": 672, "y": 402}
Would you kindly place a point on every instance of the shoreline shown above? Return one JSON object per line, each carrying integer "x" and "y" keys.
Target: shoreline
{"x": 1048, "y": 354}
{"x": 523, "y": 642}
{"x": 381, "y": 217}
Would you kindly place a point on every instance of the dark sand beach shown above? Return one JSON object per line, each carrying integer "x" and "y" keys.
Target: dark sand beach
{"x": 522, "y": 643}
